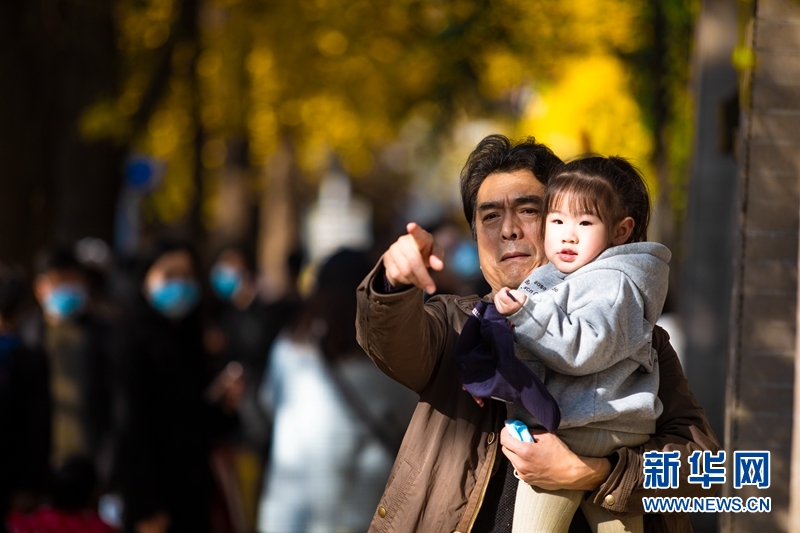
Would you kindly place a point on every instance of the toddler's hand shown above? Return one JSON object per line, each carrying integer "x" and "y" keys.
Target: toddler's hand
{"x": 479, "y": 401}
{"x": 509, "y": 301}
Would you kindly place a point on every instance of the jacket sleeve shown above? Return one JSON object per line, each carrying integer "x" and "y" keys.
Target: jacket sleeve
{"x": 402, "y": 335}
{"x": 682, "y": 427}
{"x": 603, "y": 324}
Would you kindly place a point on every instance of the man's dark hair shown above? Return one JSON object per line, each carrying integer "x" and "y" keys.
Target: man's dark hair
{"x": 57, "y": 257}
{"x": 245, "y": 250}
{"x": 164, "y": 246}
{"x": 608, "y": 187}
{"x": 496, "y": 153}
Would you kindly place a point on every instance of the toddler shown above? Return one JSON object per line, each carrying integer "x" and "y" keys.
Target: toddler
{"x": 583, "y": 323}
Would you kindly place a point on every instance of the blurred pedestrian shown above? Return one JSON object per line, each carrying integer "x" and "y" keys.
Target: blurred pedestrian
{"x": 101, "y": 269}
{"x": 338, "y": 419}
{"x": 73, "y": 507}
{"x": 24, "y": 405}
{"x": 167, "y": 419}
{"x": 76, "y": 343}
{"x": 242, "y": 330}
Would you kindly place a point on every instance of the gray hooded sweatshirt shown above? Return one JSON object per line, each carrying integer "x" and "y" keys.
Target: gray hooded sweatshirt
{"x": 587, "y": 335}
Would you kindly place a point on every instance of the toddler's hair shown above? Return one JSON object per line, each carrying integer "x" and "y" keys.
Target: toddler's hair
{"x": 607, "y": 187}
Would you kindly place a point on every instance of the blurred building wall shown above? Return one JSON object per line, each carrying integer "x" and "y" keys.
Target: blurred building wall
{"x": 56, "y": 59}
{"x": 763, "y": 346}
{"x": 708, "y": 272}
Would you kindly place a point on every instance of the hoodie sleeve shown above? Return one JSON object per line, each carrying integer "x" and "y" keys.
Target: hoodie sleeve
{"x": 586, "y": 324}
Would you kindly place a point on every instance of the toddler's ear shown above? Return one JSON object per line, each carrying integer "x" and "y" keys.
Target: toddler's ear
{"x": 623, "y": 231}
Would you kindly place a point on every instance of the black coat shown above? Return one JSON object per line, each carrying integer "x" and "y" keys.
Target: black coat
{"x": 24, "y": 422}
{"x": 249, "y": 334}
{"x": 92, "y": 373}
{"x": 166, "y": 426}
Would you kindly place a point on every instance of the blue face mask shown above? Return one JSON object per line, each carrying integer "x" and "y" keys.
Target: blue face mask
{"x": 174, "y": 299}
{"x": 65, "y": 301}
{"x": 465, "y": 261}
{"x": 225, "y": 281}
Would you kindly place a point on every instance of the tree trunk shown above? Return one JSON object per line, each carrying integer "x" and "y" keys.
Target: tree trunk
{"x": 278, "y": 221}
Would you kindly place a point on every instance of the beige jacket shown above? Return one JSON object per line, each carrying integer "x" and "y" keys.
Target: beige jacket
{"x": 448, "y": 454}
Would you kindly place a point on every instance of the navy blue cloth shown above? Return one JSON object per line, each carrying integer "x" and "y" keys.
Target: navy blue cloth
{"x": 488, "y": 368}
{"x": 8, "y": 343}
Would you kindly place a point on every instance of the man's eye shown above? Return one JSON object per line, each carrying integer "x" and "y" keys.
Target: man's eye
{"x": 490, "y": 216}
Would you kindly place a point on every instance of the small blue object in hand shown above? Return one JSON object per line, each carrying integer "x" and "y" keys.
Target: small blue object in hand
{"x": 519, "y": 430}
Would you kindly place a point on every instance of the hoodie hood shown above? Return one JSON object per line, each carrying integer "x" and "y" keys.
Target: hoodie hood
{"x": 646, "y": 264}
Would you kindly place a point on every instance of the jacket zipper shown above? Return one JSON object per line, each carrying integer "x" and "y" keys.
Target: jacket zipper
{"x": 483, "y": 489}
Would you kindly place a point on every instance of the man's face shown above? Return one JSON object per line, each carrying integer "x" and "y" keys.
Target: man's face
{"x": 62, "y": 293}
{"x": 507, "y": 213}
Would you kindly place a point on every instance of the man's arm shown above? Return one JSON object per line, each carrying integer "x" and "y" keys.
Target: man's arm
{"x": 403, "y": 336}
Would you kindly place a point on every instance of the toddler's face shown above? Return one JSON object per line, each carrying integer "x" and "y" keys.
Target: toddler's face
{"x": 573, "y": 240}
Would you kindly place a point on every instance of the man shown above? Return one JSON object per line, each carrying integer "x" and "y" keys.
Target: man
{"x": 450, "y": 474}
{"x": 76, "y": 345}
{"x": 24, "y": 406}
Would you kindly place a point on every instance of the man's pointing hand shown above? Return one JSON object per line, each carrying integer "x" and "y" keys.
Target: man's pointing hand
{"x": 408, "y": 259}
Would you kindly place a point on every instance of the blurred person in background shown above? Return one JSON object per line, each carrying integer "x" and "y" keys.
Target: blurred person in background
{"x": 73, "y": 505}
{"x": 24, "y": 406}
{"x": 76, "y": 343}
{"x": 100, "y": 268}
{"x": 170, "y": 409}
{"x": 243, "y": 328}
{"x": 338, "y": 419}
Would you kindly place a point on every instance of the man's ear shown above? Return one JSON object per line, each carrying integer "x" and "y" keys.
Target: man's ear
{"x": 623, "y": 231}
